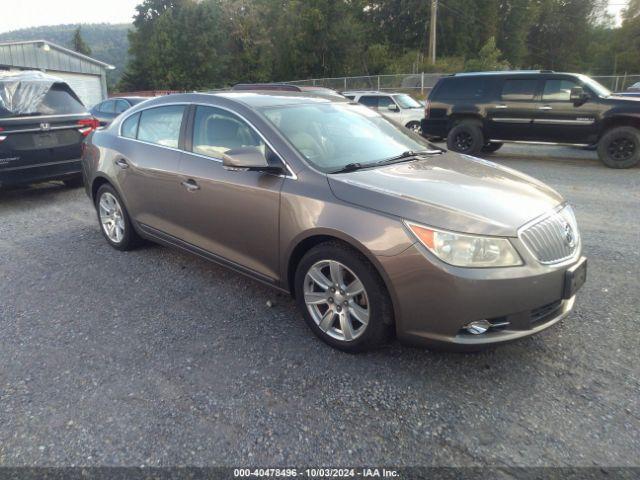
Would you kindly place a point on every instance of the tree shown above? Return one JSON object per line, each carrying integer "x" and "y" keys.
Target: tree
{"x": 489, "y": 58}
{"x": 78, "y": 44}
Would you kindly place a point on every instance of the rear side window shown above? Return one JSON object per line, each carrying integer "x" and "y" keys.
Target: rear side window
{"x": 461, "y": 88}
{"x": 121, "y": 106}
{"x": 519, "y": 89}
{"x": 558, "y": 90}
{"x": 369, "y": 101}
{"x": 58, "y": 101}
{"x": 161, "y": 125}
{"x": 107, "y": 107}
{"x": 130, "y": 126}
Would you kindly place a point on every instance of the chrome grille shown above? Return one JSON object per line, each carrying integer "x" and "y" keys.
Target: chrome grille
{"x": 554, "y": 238}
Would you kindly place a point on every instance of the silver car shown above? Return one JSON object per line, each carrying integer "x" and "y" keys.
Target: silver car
{"x": 374, "y": 231}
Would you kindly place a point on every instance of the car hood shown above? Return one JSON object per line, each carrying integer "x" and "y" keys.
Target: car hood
{"x": 450, "y": 191}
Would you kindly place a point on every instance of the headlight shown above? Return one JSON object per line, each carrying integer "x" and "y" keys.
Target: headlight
{"x": 462, "y": 250}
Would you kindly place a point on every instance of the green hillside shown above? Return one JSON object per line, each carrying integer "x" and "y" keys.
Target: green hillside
{"x": 108, "y": 42}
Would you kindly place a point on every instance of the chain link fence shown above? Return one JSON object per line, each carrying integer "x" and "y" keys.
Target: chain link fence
{"x": 420, "y": 84}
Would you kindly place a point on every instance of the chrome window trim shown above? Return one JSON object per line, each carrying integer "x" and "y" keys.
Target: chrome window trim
{"x": 291, "y": 174}
{"x": 556, "y": 263}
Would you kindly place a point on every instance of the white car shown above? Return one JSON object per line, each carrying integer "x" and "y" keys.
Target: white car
{"x": 399, "y": 107}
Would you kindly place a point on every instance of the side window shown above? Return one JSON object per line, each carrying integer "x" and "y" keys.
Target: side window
{"x": 121, "y": 106}
{"x": 369, "y": 101}
{"x": 130, "y": 126}
{"x": 216, "y": 131}
{"x": 384, "y": 102}
{"x": 519, "y": 89}
{"x": 108, "y": 106}
{"x": 161, "y": 125}
{"x": 558, "y": 90}
{"x": 460, "y": 88}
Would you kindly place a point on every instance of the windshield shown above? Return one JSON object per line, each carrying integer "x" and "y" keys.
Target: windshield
{"x": 331, "y": 136}
{"x": 599, "y": 89}
{"x": 406, "y": 101}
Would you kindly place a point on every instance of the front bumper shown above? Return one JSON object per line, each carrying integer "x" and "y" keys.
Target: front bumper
{"x": 433, "y": 300}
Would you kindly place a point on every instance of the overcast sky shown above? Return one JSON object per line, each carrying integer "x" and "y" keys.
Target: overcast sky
{"x": 32, "y": 13}
{"x": 17, "y": 14}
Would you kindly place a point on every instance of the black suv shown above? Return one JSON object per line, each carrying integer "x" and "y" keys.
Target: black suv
{"x": 479, "y": 111}
{"x": 43, "y": 125}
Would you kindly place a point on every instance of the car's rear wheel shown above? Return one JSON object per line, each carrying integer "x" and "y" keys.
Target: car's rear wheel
{"x": 343, "y": 298}
{"x": 466, "y": 137}
{"x": 115, "y": 223}
{"x": 492, "y": 147}
{"x": 620, "y": 147}
{"x": 415, "y": 127}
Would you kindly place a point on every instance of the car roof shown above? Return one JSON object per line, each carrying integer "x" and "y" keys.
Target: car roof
{"x": 369, "y": 92}
{"x": 250, "y": 98}
{"x": 502, "y": 72}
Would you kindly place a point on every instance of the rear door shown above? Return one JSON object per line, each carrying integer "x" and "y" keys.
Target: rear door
{"x": 51, "y": 135}
{"x": 560, "y": 120}
{"x": 510, "y": 116}
{"x": 147, "y": 166}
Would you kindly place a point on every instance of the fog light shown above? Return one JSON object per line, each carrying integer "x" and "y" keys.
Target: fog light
{"x": 478, "y": 327}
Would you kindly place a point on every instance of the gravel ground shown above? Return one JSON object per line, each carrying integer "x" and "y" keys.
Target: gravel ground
{"x": 155, "y": 357}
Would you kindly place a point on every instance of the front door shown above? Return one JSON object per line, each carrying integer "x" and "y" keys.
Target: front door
{"x": 233, "y": 214}
{"x": 510, "y": 116}
{"x": 560, "y": 120}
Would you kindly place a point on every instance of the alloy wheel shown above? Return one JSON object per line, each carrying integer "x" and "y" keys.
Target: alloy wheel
{"x": 463, "y": 141}
{"x": 337, "y": 300}
{"x": 621, "y": 149}
{"x": 111, "y": 217}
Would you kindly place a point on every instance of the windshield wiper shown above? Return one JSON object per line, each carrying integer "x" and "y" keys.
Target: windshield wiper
{"x": 352, "y": 167}
{"x": 408, "y": 155}
{"x": 404, "y": 156}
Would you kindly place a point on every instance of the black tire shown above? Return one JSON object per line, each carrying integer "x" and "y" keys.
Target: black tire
{"x": 466, "y": 137}
{"x": 492, "y": 147}
{"x": 381, "y": 323}
{"x": 130, "y": 238}
{"x": 73, "y": 182}
{"x": 620, "y": 147}
{"x": 415, "y": 127}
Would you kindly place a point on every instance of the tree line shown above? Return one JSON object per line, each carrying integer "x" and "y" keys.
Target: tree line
{"x": 189, "y": 44}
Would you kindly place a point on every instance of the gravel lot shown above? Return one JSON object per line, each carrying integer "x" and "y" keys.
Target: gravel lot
{"x": 155, "y": 357}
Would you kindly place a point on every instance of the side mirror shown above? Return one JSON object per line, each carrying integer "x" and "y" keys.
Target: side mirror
{"x": 393, "y": 107}
{"x": 247, "y": 158}
{"x": 578, "y": 95}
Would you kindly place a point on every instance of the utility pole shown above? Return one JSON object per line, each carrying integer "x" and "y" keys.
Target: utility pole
{"x": 432, "y": 31}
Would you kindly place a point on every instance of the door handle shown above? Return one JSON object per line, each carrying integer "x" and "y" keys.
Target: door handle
{"x": 546, "y": 107}
{"x": 122, "y": 163}
{"x": 190, "y": 185}
{"x": 501, "y": 107}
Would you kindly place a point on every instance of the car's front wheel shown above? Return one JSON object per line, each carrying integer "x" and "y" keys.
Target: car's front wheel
{"x": 343, "y": 298}
{"x": 115, "y": 223}
{"x": 466, "y": 137}
{"x": 620, "y": 147}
